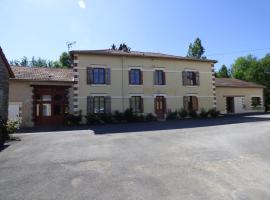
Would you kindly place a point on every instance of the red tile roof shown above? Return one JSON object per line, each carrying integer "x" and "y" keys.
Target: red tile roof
{"x": 110, "y": 52}
{"x": 43, "y": 74}
{"x": 2, "y": 55}
{"x": 232, "y": 82}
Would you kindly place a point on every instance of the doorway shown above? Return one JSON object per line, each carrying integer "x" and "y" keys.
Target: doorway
{"x": 160, "y": 107}
{"x": 230, "y": 104}
{"x": 50, "y": 105}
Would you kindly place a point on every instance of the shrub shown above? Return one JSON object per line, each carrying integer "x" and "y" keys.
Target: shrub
{"x": 193, "y": 114}
{"x": 172, "y": 115}
{"x": 129, "y": 116}
{"x": 107, "y": 118}
{"x": 73, "y": 119}
{"x": 119, "y": 117}
{"x": 213, "y": 112}
{"x": 93, "y": 119}
{"x": 12, "y": 126}
{"x": 150, "y": 117}
{"x": 203, "y": 113}
{"x": 138, "y": 118}
{"x": 183, "y": 113}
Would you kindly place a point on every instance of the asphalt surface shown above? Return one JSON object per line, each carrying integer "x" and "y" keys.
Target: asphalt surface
{"x": 162, "y": 160}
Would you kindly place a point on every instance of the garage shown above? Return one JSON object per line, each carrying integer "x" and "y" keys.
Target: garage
{"x": 237, "y": 96}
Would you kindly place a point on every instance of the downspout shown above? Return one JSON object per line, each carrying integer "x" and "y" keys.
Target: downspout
{"x": 123, "y": 84}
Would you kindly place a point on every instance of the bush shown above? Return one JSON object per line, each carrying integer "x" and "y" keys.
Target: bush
{"x": 12, "y": 127}
{"x": 193, "y": 114}
{"x": 213, "y": 112}
{"x": 93, "y": 119}
{"x": 129, "y": 116}
{"x": 139, "y": 118}
{"x": 172, "y": 115}
{"x": 73, "y": 119}
{"x": 203, "y": 113}
{"x": 119, "y": 117}
{"x": 183, "y": 113}
{"x": 150, "y": 117}
{"x": 107, "y": 118}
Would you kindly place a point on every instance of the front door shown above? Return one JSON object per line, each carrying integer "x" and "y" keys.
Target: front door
{"x": 50, "y": 105}
{"x": 160, "y": 107}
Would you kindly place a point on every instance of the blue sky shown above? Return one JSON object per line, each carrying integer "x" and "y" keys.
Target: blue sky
{"x": 41, "y": 28}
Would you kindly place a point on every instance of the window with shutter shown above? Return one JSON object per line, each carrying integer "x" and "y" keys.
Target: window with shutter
{"x": 136, "y": 104}
{"x": 159, "y": 77}
{"x": 99, "y": 104}
{"x": 191, "y": 78}
{"x": 135, "y": 77}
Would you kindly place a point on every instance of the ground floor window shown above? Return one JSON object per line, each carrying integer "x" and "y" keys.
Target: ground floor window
{"x": 99, "y": 105}
{"x": 255, "y": 101}
{"x": 191, "y": 103}
{"x": 136, "y": 104}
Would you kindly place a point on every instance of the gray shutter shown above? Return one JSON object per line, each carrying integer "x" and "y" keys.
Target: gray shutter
{"x": 154, "y": 77}
{"x": 198, "y": 78}
{"x": 142, "y": 106}
{"x": 164, "y": 77}
{"x": 90, "y": 105}
{"x": 185, "y": 102}
{"x": 184, "y": 77}
{"x": 89, "y": 75}
{"x": 108, "y": 104}
{"x": 108, "y": 76}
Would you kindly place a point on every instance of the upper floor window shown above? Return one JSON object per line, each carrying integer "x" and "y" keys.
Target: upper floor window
{"x": 136, "y": 104}
{"x": 255, "y": 101}
{"x": 191, "y": 78}
{"x": 159, "y": 77}
{"x": 135, "y": 77}
{"x": 98, "y": 75}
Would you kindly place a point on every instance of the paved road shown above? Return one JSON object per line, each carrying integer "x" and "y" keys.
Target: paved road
{"x": 223, "y": 161}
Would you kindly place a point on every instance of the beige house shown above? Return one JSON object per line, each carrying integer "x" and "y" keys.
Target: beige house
{"x": 40, "y": 96}
{"x": 109, "y": 80}
{"x": 237, "y": 96}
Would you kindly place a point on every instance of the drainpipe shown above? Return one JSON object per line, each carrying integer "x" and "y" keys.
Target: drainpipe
{"x": 123, "y": 84}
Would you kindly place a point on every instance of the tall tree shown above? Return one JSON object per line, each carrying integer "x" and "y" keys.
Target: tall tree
{"x": 65, "y": 60}
{"x": 223, "y": 72}
{"x": 196, "y": 50}
{"x": 113, "y": 47}
{"x": 24, "y": 61}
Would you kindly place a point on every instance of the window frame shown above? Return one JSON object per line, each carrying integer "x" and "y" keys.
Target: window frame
{"x": 191, "y": 78}
{"x": 137, "y": 102}
{"x": 132, "y": 77}
{"x": 160, "y": 77}
{"x": 100, "y": 72}
{"x": 97, "y": 104}
{"x": 259, "y": 103}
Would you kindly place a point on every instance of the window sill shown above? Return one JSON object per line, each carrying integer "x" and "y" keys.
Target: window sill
{"x": 191, "y": 86}
{"x": 134, "y": 85}
{"x": 98, "y": 85}
{"x": 160, "y": 85}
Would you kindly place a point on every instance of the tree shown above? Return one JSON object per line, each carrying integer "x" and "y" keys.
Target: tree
{"x": 65, "y": 60}
{"x": 196, "y": 50}
{"x": 223, "y": 72}
{"x": 249, "y": 68}
{"x": 24, "y": 61}
{"x": 113, "y": 47}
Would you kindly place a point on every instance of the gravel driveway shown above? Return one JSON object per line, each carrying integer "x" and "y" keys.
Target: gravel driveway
{"x": 217, "y": 159}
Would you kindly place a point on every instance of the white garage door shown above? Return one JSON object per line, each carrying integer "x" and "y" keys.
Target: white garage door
{"x": 14, "y": 111}
{"x": 239, "y": 105}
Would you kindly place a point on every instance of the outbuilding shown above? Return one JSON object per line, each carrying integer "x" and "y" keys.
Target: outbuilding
{"x": 40, "y": 96}
{"x": 237, "y": 96}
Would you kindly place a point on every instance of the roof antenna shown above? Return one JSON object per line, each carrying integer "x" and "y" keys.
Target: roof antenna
{"x": 70, "y": 44}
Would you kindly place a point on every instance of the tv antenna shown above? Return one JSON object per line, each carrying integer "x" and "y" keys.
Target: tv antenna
{"x": 70, "y": 44}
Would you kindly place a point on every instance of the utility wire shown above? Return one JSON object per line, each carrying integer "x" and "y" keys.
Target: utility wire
{"x": 234, "y": 52}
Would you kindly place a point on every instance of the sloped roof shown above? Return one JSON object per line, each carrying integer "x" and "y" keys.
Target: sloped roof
{"x": 232, "y": 82}
{"x": 2, "y": 55}
{"x": 111, "y": 52}
{"x": 43, "y": 74}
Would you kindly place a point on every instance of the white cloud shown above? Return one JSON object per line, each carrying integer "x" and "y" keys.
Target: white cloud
{"x": 81, "y": 3}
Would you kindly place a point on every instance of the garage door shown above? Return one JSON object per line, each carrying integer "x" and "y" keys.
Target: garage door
{"x": 239, "y": 105}
{"x": 14, "y": 111}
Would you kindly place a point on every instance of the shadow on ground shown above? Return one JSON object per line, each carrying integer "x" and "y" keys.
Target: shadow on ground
{"x": 154, "y": 126}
